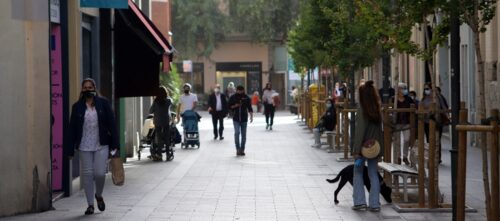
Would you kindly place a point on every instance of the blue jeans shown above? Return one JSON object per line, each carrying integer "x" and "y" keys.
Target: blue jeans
{"x": 240, "y": 127}
{"x": 359, "y": 188}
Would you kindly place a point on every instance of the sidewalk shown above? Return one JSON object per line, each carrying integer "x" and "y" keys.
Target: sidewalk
{"x": 280, "y": 178}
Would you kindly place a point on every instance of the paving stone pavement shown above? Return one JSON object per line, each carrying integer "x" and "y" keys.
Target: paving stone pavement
{"x": 280, "y": 178}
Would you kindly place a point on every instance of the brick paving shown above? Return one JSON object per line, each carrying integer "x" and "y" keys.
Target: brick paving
{"x": 280, "y": 178}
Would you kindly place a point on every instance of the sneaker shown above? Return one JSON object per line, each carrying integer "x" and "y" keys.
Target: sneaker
{"x": 215, "y": 137}
{"x": 377, "y": 209}
{"x": 267, "y": 126}
{"x": 221, "y": 138}
{"x": 271, "y": 127}
{"x": 359, "y": 207}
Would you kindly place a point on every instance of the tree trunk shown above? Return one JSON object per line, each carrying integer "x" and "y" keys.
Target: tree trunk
{"x": 482, "y": 115}
{"x": 434, "y": 108}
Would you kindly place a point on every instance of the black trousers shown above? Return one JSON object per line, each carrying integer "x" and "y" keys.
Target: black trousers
{"x": 162, "y": 140}
{"x": 269, "y": 110}
{"x": 218, "y": 118}
{"x": 440, "y": 134}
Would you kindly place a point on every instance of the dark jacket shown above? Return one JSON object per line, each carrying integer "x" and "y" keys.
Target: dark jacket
{"x": 330, "y": 118}
{"x": 212, "y": 103}
{"x": 366, "y": 130}
{"x": 240, "y": 113}
{"x": 108, "y": 134}
{"x": 404, "y": 118}
{"x": 161, "y": 111}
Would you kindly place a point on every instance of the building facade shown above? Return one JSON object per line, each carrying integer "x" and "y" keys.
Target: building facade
{"x": 25, "y": 162}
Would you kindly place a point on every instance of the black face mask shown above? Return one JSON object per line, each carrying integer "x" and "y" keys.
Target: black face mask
{"x": 89, "y": 94}
{"x": 186, "y": 91}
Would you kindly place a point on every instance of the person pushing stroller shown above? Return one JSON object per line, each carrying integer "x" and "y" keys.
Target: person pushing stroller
{"x": 190, "y": 118}
{"x": 161, "y": 119}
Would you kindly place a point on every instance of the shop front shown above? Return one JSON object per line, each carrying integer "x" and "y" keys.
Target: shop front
{"x": 248, "y": 74}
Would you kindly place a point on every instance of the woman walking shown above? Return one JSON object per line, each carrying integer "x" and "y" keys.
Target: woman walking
{"x": 368, "y": 126}
{"x": 93, "y": 133}
{"x": 161, "y": 112}
{"x": 269, "y": 107}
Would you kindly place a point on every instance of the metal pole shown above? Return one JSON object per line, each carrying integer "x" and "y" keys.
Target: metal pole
{"x": 455, "y": 100}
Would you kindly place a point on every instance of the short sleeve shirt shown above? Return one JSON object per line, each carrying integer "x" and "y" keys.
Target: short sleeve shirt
{"x": 187, "y": 101}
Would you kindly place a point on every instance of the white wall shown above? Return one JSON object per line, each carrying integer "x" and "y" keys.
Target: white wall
{"x": 25, "y": 100}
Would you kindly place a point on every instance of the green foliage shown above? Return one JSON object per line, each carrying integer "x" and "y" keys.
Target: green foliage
{"x": 353, "y": 44}
{"x": 302, "y": 40}
{"x": 476, "y": 14}
{"x": 198, "y": 25}
{"x": 263, "y": 20}
{"x": 173, "y": 82}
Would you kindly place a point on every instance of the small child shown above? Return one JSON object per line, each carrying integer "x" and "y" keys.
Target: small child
{"x": 255, "y": 101}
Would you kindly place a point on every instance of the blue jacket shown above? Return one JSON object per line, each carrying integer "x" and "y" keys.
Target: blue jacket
{"x": 108, "y": 134}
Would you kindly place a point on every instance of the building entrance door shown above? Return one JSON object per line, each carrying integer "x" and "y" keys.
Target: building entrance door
{"x": 238, "y": 78}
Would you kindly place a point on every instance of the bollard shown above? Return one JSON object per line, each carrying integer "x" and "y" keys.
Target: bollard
{"x": 462, "y": 167}
{"x": 421, "y": 159}
{"x": 494, "y": 165}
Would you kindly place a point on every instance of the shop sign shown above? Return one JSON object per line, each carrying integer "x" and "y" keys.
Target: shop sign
{"x": 104, "y": 3}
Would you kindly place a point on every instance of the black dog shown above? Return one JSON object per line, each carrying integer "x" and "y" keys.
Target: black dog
{"x": 346, "y": 175}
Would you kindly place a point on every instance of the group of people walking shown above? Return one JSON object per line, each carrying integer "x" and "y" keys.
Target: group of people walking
{"x": 240, "y": 107}
{"x": 93, "y": 128}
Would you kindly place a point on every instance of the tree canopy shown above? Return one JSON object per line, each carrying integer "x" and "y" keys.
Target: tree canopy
{"x": 199, "y": 25}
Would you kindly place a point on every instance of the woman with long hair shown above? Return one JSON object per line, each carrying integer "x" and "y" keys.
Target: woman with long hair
{"x": 161, "y": 119}
{"x": 94, "y": 134}
{"x": 368, "y": 126}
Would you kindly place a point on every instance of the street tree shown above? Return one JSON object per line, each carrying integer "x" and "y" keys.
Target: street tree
{"x": 199, "y": 25}
{"x": 477, "y": 15}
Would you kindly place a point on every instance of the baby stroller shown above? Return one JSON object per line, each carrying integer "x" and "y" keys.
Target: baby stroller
{"x": 190, "y": 124}
{"x": 147, "y": 135}
{"x": 148, "y": 140}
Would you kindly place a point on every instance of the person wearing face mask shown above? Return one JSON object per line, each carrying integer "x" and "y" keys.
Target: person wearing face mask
{"x": 426, "y": 104}
{"x": 269, "y": 107}
{"x": 93, "y": 132}
{"x": 327, "y": 122}
{"x": 242, "y": 110}
{"x": 188, "y": 101}
{"x": 217, "y": 107}
{"x": 402, "y": 125}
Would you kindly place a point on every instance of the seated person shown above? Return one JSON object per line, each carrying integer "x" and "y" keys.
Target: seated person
{"x": 327, "y": 122}
{"x": 329, "y": 119}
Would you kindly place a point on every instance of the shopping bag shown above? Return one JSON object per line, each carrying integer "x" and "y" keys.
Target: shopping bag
{"x": 117, "y": 171}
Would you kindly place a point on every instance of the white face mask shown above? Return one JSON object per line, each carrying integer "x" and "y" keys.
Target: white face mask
{"x": 427, "y": 92}
{"x": 216, "y": 90}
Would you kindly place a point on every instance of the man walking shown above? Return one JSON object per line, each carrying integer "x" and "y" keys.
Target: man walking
{"x": 241, "y": 106}
{"x": 217, "y": 107}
